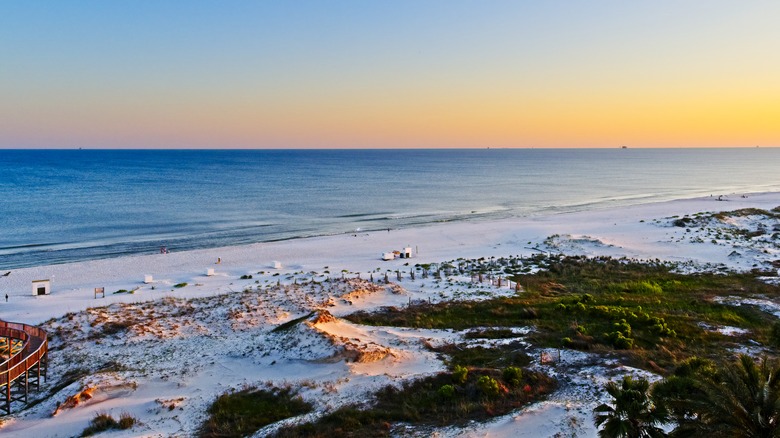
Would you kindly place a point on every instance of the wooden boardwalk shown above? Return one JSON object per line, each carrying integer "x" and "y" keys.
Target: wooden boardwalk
{"x": 24, "y": 355}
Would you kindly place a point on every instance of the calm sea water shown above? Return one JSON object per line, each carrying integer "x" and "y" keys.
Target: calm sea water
{"x": 64, "y": 205}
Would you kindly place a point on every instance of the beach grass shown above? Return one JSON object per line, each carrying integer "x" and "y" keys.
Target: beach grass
{"x": 241, "y": 413}
{"x": 103, "y": 422}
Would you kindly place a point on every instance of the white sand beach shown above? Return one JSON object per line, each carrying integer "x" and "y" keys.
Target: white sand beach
{"x": 186, "y": 353}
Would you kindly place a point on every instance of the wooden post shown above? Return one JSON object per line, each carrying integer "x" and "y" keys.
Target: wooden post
{"x": 8, "y": 393}
{"x": 38, "y": 379}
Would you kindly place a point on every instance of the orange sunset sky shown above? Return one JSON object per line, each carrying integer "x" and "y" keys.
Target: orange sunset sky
{"x": 381, "y": 74}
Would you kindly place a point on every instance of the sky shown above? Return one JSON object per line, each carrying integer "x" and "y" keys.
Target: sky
{"x": 389, "y": 74}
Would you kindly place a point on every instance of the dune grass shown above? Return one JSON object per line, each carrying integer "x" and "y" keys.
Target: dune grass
{"x": 241, "y": 413}
{"x": 103, "y": 422}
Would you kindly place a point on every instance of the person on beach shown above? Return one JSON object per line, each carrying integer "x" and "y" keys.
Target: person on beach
{"x": 219, "y": 260}
{"x": 6, "y": 298}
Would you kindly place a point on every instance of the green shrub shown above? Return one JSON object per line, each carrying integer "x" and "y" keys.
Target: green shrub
{"x": 446, "y": 391}
{"x": 661, "y": 329}
{"x": 179, "y": 285}
{"x": 620, "y": 338}
{"x": 513, "y": 376}
{"x": 619, "y": 341}
{"x": 623, "y": 327}
{"x": 488, "y": 386}
{"x": 460, "y": 374}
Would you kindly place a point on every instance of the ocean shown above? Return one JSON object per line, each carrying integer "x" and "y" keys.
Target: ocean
{"x": 58, "y": 206}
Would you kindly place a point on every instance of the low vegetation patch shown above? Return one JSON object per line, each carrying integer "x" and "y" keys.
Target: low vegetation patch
{"x": 103, "y": 422}
{"x": 491, "y": 333}
{"x": 642, "y": 310}
{"x": 451, "y": 398}
{"x": 116, "y": 327}
{"x": 241, "y": 413}
{"x": 512, "y": 354}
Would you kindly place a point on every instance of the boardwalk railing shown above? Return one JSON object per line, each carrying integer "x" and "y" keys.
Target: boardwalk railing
{"x": 27, "y": 354}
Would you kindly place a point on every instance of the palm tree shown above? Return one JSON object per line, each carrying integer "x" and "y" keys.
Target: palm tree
{"x": 742, "y": 401}
{"x": 676, "y": 391}
{"x": 632, "y": 414}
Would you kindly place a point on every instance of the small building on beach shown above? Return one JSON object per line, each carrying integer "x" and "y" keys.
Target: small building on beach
{"x": 41, "y": 287}
{"x": 405, "y": 254}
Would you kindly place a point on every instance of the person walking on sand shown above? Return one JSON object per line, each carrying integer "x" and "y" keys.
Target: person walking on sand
{"x": 6, "y": 298}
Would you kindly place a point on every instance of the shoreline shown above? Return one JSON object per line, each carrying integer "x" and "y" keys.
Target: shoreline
{"x": 615, "y": 231}
{"x": 148, "y": 244}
